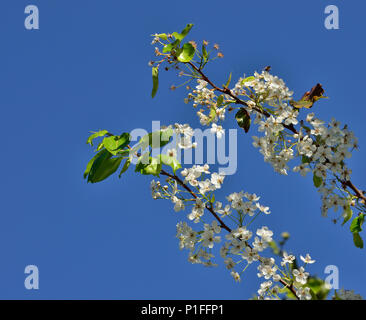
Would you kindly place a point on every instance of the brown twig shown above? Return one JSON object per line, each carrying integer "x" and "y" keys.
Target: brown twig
{"x": 357, "y": 191}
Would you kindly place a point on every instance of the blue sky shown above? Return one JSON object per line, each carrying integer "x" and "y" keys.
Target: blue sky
{"x": 86, "y": 69}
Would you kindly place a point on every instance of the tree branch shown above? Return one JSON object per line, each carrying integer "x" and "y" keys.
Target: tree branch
{"x": 358, "y": 193}
{"x": 222, "y": 224}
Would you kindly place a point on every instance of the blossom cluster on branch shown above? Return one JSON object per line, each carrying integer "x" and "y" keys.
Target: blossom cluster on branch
{"x": 289, "y": 139}
{"x": 241, "y": 246}
{"x": 228, "y": 227}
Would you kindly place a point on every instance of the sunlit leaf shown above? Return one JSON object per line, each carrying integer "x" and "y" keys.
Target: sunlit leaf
{"x": 169, "y": 47}
{"x": 228, "y": 81}
{"x": 183, "y": 34}
{"x": 204, "y": 53}
{"x": 212, "y": 200}
{"x": 356, "y": 225}
{"x": 156, "y": 139}
{"x": 247, "y": 80}
{"x": 163, "y": 36}
{"x": 212, "y": 115}
{"x": 153, "y": 167}
{"x": 347, "y": 214}
{"x": 115, "y": 143}
{"x": 98, "y": 134}
{"x": 155, "y": 78}
{"x": 186, "y": 54}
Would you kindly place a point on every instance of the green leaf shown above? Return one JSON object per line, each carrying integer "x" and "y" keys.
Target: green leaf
{"x": 183, "y": 34}
{"x": 318, "y": 98}
{"x": 152, "y": 167}
{"x": 163, "y": 36}
{"x": 305, "y": 159}
{"x": 317, "y": 181}
{"x": 228, "y": 81}
{"x": 243, "y": 119}
{"x": 98, "y": 134}
{"x": 247, "y": 80}
{"x": 318, "y": 288}
{"x": 204, "y": 54}
{"x": 156, "y": 139}
{"x": 125, "y": 167}
{"x": 103, "y": 167}
{"x": 100, "y": 146}
{"x": 169, "y": 47}
{"x": 301, "y": 104}
{"x": 289, "y": 294}
{"x": 356, "y": 225}
{"x": 357, "y": 240}
{"x": 170, "y": 161}
{"x": 347, "y": 214}
{"x": 155, "y": 78}
{"x": 115, "y": 143}
{"x": 165, "y": 135}
{"x": 186, "y": 54}
{"x": 212, "y": 114}
{"x": 142, "y": 161}
{"x": 90, "y": 163}
{"x": 212, "y": 200}
{"x": 126, "y": 152}
{"x": 219, "y": 101}
{"x": 336, "y": 296}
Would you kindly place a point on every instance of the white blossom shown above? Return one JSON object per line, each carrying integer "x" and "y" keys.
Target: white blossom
{"x": 307, "y": 259}
{"x": 300, "y": 275}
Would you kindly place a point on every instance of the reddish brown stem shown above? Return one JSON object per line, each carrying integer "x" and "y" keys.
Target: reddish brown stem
{"x": 357, "y": 191}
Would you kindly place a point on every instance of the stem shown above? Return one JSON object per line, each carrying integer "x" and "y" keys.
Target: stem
{"x": 290, "y": 287}
{"x": 357, "y": 191}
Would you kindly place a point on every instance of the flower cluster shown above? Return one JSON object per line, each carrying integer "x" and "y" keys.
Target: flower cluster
{"x": 266, "y": 98}
{"x": 241, "y": 245}
{"x": 323, "y": 149}
{"x": 207, "y": 98}
{"x": 268, "y": 88}
{"x": 328, "y": 148}
{"x": 299, "y": 277}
